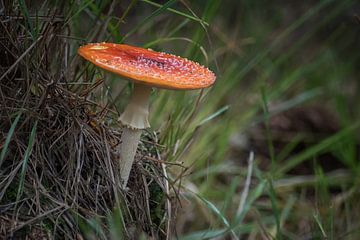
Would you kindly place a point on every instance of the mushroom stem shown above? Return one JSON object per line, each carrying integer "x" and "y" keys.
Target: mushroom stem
{"x": 130, "y": 140}
{"x": 134, "y": 119}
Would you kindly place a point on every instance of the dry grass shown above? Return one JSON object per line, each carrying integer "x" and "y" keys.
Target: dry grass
{"x": 58, "y": 173}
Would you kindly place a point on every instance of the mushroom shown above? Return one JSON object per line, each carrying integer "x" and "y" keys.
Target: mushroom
{"x": 147, "y": 69}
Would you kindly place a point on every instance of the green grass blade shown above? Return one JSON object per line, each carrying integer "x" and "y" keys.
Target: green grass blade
{"x": 290, "y": 203}
{"x": 268, "y": 134}
{"x": 25, "y": 11}
{"x": 8, "y": 138}
{"x": 275, "y": 210}
{"x": 214, "y": 209}
{"x": 320, "y": 147}
{"x": 116, "y": 224}
{"x": 146, "y": 19}
{"x": 178, "y": 12}
{"x": 160, "y": 40}
{"x": 230, "y": 193}
{"x": 214, "y": 115}
{"x": 206, "y": 234}
{"x": 79, "y": 10}
{"x": 25, "y": 160}
{"x": 261, "y": 55}
{"x": 256, "y": 193}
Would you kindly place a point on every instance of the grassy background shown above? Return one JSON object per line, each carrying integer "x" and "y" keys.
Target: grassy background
{"x": 272, "y": 149}
{"x": 290, "y": 70}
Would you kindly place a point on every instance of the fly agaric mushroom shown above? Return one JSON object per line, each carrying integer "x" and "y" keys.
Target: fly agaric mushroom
{"x": 147, "y": 69}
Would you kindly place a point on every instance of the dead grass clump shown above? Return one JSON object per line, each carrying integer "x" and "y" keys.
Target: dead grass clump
{"x": 58, "y": 176}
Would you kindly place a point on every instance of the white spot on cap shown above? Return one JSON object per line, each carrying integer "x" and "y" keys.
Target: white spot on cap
{"x": 98, "y": 47}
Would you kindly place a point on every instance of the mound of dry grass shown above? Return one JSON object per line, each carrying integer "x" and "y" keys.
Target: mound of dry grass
{"x": 58, "y": 174}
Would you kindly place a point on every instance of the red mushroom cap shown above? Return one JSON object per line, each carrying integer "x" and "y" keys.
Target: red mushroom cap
{"x": 148, "y": 67}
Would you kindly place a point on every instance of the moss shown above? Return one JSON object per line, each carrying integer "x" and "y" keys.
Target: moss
{"x": 157, "y": 203}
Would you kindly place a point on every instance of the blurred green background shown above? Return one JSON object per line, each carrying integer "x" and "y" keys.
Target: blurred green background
{"x": 287, "y": 90}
